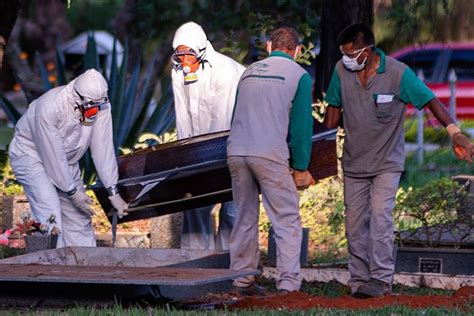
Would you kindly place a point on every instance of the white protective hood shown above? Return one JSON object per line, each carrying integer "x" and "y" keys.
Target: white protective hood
{"x": 192, "y": 35}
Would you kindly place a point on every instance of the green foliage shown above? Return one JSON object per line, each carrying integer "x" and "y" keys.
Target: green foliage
{"x": 400, "y": 23}
{"x": 431, "y": 134}
{"x": 467, "y": 124}
{"x": 439, "y": 203}
{"x": 8, "y": 185}
{"x": 6, "y": 135}
{"x": 170, "y": 310}
{"x": 81, "y": 18}
{"x": 437, "y": 164}
{"x": 231, "y": 26}
{"x": 7, "y": 252}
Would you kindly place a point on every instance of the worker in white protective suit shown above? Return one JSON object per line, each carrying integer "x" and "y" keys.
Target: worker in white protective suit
{"x": 204, "y": 86}
{"x": 50, "y": 138}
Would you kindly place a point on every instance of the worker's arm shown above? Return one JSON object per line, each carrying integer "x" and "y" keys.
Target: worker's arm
{"x": 301, "y": 125}
{"x": 50, "y": 146}
{"x": 102, "y": 148}
{"x": 301, "y": 132}
{"x": 462, "y": 146}
{"x": 225, "y": 97}
{"x": 183, "y": 118}
{"x": 413, "y": 90}
{"x": 105, "y": 162}
{"x": 332, "y": 117}
{"x": 439, "y": 111}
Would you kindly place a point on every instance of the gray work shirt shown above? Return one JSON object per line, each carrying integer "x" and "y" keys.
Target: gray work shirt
{"x": 373, "y": 116}
{"x": 267, "y": 92}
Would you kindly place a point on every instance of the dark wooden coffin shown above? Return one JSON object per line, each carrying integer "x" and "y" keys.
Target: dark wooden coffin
{"x": 190, "y": 173}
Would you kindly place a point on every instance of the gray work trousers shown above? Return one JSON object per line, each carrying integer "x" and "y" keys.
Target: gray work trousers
{"x": 281, "y": 202}
{"x": 198, "y": 233}
{"x": 369, "y": 203}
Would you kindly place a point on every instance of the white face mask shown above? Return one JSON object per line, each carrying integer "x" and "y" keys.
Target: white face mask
{"x": 351, "y": 63}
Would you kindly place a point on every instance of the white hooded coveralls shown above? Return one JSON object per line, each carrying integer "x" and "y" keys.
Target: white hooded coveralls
{"x": 202, "y": 107}
{"x": 45, "y": 151}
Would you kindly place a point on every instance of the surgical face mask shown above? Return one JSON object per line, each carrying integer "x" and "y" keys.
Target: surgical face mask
{"x": 351, "y": 62}
{"x": 89, "y": 108}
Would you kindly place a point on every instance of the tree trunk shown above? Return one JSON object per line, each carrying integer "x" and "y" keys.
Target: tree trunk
{"x": 39, "y": 25}
{"x": 122, "y": 25}
{"x": 336, "y": 15}
{"x": 8, "y": 14}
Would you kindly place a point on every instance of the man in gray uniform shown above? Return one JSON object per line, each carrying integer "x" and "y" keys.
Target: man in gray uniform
{"x": 273, "y": 105}
{"x": 369, "y": 90}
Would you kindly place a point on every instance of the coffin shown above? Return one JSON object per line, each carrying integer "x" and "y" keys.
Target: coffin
{"x": 189, "y": 173}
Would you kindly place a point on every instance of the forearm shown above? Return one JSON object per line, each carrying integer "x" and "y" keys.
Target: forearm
{"x": 440, "y": 112}
{"x": 332, "y": 117}
{"x": 462, "y": 146}
{"x": 103, "y": 151}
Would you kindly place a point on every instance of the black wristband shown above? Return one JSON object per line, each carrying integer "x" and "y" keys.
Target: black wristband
{"x": 112, "y": 190}
{"x": 72, "y": 192}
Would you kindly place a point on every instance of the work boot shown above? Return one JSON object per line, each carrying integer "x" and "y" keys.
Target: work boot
{"x": 373, "y": 288}
{"x": 252, "y": 290}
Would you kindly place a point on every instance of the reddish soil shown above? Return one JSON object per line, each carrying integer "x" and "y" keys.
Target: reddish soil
{"x": 298, "y": 300}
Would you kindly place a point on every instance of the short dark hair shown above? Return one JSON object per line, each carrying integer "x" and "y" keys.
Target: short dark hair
{"x": 284, "y": 38}
{"x": 359, "y": 34}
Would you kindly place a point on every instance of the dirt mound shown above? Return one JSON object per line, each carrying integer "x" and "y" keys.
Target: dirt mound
{"x": 299, "y": 300}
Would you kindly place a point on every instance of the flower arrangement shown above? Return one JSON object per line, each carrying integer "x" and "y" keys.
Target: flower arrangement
{"x": 28, "y": 226}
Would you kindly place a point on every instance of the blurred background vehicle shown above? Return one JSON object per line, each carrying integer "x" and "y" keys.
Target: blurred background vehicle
{"x": 441, "y": 64}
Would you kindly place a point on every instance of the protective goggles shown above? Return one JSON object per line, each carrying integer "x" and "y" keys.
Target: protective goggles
{"x": 177, "y": 53}
{"x": 355, "y": 54}
{"x": 87, "y": 103}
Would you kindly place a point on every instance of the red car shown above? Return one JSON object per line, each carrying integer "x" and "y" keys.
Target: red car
{"x": 436, "y": 61}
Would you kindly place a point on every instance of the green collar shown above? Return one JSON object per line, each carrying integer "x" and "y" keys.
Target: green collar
{"x": 381, "y": 68}
{"x": 279, "y": 53}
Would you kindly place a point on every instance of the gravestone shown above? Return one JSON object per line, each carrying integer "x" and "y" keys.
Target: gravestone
{"x": 13, "y": 208}
{"x": 166, "y": 231}
{"x": 454, "y": 253}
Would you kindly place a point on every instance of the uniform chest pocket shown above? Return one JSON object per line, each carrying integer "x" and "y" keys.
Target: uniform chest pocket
{"x": 384, "y": 107}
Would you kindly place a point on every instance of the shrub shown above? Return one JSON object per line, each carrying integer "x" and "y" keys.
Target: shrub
{"x": 436, "y": 209}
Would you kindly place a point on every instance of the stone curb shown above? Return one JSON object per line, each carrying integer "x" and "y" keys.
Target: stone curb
{"x": 435, "y": 281}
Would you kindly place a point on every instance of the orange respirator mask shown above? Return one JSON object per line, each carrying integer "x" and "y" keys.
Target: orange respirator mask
{"x": 188, "y": 61}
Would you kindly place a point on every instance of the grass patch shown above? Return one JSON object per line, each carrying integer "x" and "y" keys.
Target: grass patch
{"x": 335, "y": 289}
{"x": 405, "y": 290}
{"x": 135, "y": 311}
{"x": 330, "y": 289}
